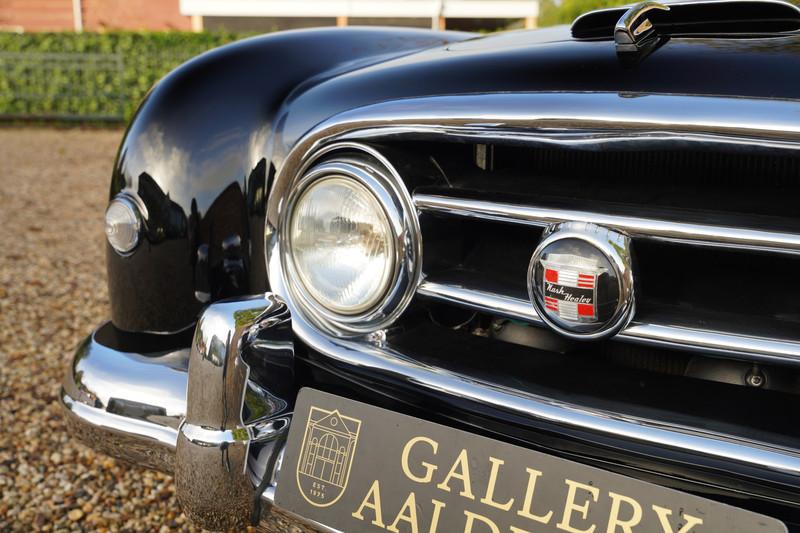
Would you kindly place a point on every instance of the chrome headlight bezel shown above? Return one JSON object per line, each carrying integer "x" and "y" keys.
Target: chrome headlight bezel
{"x": 369, "y": 169}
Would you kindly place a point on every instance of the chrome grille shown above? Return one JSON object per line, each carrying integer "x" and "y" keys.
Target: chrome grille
{"x": 518, "y": 379}
{"x": 512, "y": 306}
{"x": 730, "y": 339}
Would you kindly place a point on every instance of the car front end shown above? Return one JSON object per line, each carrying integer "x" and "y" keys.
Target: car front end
{"x": 538, "y": 239}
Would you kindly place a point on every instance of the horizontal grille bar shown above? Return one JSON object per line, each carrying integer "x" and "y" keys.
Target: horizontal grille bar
{"x": 479, "y": 300}
{"x": 651, "y": 334}
{"x": 667, "y": 230}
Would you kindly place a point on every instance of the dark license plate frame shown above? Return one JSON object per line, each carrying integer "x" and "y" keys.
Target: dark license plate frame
{"x": 355, "y": 467}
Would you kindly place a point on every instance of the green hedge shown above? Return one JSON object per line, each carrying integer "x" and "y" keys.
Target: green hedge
{"x": 103, "y": 76}
{"x": 90, "y": 76}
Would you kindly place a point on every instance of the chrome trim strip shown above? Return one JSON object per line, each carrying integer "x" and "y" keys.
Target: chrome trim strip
{"x": 680, "y": 232}
{"x": 478, "y": 300}
{"x": 601, "y": 115}
{"x": 729, "y": 344}
{"x": 561, "y": 118}
{"x": 713, "y": 341}
{"x": 666, "y": 230}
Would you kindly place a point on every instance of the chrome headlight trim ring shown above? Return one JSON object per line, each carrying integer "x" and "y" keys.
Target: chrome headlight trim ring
{"x": 385, "y": 184}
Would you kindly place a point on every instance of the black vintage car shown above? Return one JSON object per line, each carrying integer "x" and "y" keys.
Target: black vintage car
{"x": 402, "y": 280}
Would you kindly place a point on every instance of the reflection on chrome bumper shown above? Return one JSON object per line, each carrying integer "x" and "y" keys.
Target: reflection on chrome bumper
{"x": 212, "y": 454}
{"x": 134, "y": 407}
{"x": 128, "y": 405}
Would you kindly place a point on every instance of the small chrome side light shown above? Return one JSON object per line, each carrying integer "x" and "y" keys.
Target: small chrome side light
{"x": 123, "y": 224}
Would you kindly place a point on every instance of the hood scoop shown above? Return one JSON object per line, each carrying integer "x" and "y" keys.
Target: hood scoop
{"x": 639, "y": 28}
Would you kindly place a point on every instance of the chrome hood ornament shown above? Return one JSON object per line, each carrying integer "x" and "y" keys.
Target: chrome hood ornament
{"x": 580, "y": 280}
{"x": 634, "y": 32}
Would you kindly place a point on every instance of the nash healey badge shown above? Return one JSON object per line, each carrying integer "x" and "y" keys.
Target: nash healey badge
{"x": 580, "y": 280}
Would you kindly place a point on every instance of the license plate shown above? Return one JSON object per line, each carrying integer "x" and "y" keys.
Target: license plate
{"x": 355, "y": 467}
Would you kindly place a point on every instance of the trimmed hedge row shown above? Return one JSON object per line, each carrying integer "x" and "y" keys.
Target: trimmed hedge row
{"x": 90, "y": 76}
{"x": 104, "y": 76}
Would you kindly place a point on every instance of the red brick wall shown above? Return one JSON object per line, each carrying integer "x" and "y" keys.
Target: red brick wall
{"x": 133, "y": 15}
{"x": 98, "y": 15}
{"x": 36, "y": 15}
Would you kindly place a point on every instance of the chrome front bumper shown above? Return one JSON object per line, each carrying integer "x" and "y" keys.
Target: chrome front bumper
{"x": 181, "y": 411}
{"x": 198, "y": 414}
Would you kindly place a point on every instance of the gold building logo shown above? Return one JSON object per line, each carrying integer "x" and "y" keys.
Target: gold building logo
{"x": 329, "y": 444}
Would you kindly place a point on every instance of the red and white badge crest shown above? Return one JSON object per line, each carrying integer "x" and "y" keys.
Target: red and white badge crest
{"x": 569, "y": 287}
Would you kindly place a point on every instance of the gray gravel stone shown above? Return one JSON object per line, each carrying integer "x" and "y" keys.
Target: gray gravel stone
{"x": 53, "y": 191}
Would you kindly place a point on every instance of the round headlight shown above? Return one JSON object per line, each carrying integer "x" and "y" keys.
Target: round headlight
{"x": 342, "y": 245}
{"x": 122, "y": 224}
{"x": 348, "y": 241}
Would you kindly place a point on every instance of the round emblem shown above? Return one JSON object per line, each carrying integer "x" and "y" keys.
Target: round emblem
{"x": 580, "y": 280}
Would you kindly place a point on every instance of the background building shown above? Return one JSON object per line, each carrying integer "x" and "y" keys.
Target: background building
{"x": 438, "y": 14}
{"x": 91, "y": 15}
{"x": 260, "y": 15}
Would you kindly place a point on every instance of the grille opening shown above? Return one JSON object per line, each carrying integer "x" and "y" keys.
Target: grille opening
{"x": 715, "y": 179}
{"x": 719, "y": 289}
{"x": 490, "y": 255}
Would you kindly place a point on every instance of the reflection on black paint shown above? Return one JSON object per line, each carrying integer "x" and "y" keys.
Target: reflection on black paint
{"x": 165, "y": 218}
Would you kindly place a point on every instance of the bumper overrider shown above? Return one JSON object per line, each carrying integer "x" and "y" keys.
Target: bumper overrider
{"x": 216, "y": 415}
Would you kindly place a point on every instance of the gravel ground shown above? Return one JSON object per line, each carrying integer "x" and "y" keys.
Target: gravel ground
{"x": 53, "y": 189}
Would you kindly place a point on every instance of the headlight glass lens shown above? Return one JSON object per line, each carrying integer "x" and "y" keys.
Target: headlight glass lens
{"x": 341, "y": 245}
{"x": 122, "y": 225}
